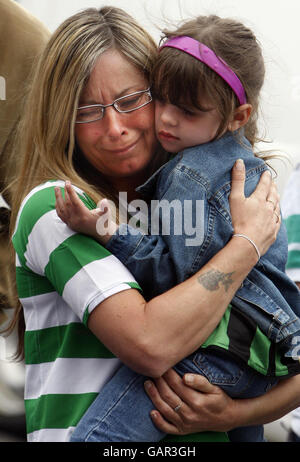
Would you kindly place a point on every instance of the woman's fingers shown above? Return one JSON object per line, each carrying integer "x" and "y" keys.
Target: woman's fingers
{"x": 186, "y": 406}
{"x": 164, "y": 415}
{"x": 163, "y": 425}
{"x": 264, "y": 185}
{"x": 274, "y": 200}
{"x": 238, "y": 176}
{"x": 257, "y": 216}
{"x": 199, "y": 383}
{"x": 204, "y": 407}
{"x": 238, "y": 180}
{"x": 273, "y": 196}
{"x": 164, "y": 398}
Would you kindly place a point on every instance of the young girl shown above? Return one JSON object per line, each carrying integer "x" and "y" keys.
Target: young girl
{"x": 206, "y": 84}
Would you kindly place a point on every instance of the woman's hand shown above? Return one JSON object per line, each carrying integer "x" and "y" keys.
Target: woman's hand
{"x": 201, "y": 406}
{"x": 257, "y": 216}
{"x": 205, "y": 407}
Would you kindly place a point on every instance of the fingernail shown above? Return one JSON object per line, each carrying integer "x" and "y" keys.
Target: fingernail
{"x": 189, "y": 378}
{"x": 239, "y": 164}
{"x": 148, "y": 384}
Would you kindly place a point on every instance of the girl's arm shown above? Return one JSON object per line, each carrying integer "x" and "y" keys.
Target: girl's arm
{"x": 152, "y": 337}
{"x": 96, "y": 223}
{"x": 205, "y": 407}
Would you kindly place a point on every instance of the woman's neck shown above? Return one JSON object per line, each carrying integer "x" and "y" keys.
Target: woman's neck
{"x": 129, "y": 185}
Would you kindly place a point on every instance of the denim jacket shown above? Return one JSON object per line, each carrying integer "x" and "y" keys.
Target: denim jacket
{"x": 201, "y": 176}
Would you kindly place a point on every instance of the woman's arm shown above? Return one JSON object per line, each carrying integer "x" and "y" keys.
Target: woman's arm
{"x": 152, "y": 337}
{"x": 205, "y": 407}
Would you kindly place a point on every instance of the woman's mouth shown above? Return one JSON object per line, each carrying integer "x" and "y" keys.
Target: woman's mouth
{"x": 126, "y": 149}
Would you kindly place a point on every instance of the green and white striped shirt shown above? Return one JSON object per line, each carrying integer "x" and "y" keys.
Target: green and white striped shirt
{"x": 61, "y": 277}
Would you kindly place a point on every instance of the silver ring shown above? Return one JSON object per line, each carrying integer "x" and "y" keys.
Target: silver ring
{"x": 278, "y": 217}
{"x": 176, "y": 409}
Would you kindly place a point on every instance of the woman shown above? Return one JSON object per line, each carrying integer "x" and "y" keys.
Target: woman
{"x": 68, "y": 281}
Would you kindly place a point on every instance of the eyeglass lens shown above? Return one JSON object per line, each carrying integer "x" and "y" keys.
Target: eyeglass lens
{"x": 126, "y": 103}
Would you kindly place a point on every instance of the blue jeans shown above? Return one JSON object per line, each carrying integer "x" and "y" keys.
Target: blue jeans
{"x": 121, "y": 411}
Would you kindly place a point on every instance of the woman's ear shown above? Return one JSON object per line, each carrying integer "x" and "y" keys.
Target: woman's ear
{"x": 240, "y": 117}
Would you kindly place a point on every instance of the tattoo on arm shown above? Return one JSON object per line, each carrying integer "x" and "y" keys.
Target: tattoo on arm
{"x": 213, "y": 278}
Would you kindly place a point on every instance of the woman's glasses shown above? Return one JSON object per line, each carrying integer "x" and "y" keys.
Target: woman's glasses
{"x": 127, "y": 103}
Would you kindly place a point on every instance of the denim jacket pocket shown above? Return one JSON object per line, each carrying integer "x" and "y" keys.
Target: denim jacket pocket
{"x": 219, "y": 368}
{"x": 232, "y": 375}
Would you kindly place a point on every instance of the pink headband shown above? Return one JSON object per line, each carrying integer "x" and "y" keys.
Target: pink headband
{"x": 208, "y": 57}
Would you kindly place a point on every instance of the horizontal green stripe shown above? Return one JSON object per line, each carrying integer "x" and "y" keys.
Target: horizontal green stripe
{"x": 30, "y": 284}
{"x": 293, "y": 259}
{"x": 292, "y": 224}
{"x": 69, "y": 258}
{"x": 39, "y": 204}
{"x": 56, "y": 411}
{"x": 64, "y": 411}
{"x": 71, "y": 341}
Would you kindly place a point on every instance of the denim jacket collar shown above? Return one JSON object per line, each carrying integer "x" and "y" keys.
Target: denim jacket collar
{"x": 208, "y": 153}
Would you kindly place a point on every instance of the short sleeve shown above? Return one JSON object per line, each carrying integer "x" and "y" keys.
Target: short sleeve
{"x": 55, "y": 258}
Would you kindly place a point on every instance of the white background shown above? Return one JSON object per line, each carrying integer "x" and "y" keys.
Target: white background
{"x": 276, "y": 24}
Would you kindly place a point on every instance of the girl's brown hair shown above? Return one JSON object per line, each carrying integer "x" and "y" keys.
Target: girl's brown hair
{"x": 182, "y": 80}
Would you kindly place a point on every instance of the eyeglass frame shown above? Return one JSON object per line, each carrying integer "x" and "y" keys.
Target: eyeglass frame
{"x": 104, "y": 106}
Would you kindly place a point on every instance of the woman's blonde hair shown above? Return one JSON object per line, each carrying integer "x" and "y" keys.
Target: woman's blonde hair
{"x": 45, "y": 140}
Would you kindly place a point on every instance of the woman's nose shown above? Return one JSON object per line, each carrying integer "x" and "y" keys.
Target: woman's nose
{"x": 114, "y": 122}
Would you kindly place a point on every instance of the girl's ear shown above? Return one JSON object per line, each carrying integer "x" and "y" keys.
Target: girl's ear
{"x": 240, "y": 117}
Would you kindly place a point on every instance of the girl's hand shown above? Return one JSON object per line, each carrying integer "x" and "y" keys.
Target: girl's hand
{"x": 203, "y": 406}
{"x": 257, "y": 216}
{"x": 78, "y": 217}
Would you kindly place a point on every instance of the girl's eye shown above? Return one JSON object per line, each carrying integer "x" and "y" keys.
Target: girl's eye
{"x": 188, "y": 112}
